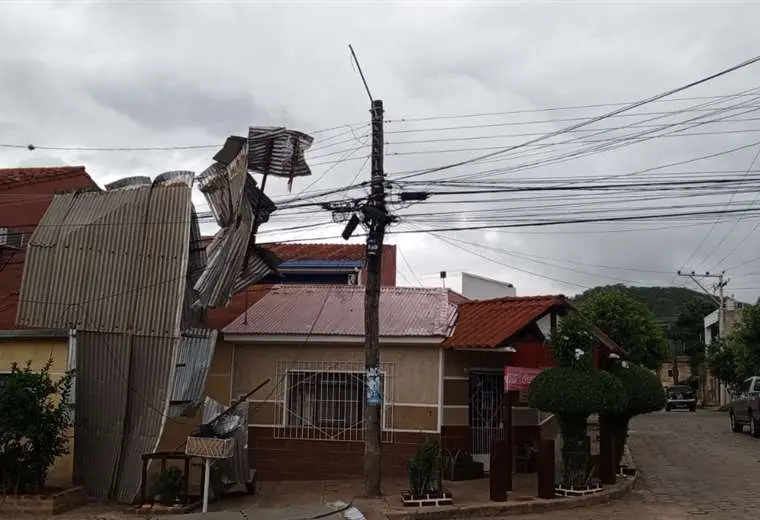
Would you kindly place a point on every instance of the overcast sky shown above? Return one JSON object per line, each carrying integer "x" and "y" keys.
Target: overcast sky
{"x": 164, "y": 74}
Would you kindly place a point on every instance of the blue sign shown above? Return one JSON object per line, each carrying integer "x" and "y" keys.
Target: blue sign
{"x": 374, "y": 387}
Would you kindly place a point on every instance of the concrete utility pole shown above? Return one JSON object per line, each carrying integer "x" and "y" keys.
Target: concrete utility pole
{"x": 377, "y": 220}
{"x": 720, "y": 300}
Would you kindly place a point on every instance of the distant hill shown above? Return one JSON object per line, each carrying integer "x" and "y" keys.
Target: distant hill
{"x": 664, "y": 302}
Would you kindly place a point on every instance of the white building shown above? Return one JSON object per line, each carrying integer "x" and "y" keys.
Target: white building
{"x": 477, "y": 287}
{"x": 713, "y": 332}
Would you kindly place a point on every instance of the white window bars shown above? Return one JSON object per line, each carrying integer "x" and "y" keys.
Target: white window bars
{"x": 325, "y": 400}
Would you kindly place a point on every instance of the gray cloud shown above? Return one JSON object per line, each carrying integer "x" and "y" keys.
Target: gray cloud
{"x": 151, "y": 74}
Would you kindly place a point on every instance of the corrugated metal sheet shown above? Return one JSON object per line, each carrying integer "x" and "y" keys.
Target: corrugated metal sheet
{"x": 278, "y": 151}
{"x": 339, "y": 310}
{"x": 122, "y": 388}
{"x": 233, "y": 263}
{"x": 196, "y": 351}
{"x": 489, "y": 323}
{"x": 101, "y": 409}
{"x": 192, "y": 314}
{"x": 238, "y": 468}
{"x": 110, "y": 261}
{"x": 151, "y": 372}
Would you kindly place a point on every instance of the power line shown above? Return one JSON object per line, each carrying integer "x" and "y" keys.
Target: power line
{"x": 595, "y": 119}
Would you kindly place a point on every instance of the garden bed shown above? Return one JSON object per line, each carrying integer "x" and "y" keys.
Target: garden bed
{"x": 52, "y": 502}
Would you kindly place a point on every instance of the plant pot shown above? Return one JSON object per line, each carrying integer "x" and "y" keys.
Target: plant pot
{"x": 434, "y": 499}
{"x": 577, "y": 491}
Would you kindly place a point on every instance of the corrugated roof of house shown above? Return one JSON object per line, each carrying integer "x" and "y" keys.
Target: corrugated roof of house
{"x": 338, "y": 310}
{"x": 488, "y": 323}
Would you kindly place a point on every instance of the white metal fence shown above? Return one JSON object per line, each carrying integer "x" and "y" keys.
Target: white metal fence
{"x": 325, "y": 400}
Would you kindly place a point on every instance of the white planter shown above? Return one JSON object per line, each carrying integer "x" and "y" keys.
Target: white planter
{"x": 577, "y": 492}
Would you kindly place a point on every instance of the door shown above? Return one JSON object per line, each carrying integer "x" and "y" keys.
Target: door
{"x": 486, "y": 413}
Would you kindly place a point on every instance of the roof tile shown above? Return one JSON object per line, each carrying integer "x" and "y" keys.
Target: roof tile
{"x": 489, "y": 323}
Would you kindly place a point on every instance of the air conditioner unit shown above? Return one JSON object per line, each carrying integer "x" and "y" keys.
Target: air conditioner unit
{"x": 11, "y": 238}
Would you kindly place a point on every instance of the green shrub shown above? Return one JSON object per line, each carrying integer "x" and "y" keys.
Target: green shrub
{"x": 34, "y": 420}
{"x": 571, "y": 391}
{"x": 644, "y": 395}
{"x": 167, "y": 486}
{"x": 424, "y": 469}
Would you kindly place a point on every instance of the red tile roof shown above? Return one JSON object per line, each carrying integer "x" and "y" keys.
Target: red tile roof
{"x": 338, "y": 310}
{"x": 27, "y": 178}
{"x": 25, "y": 194}
{"x": 489, "y": 323}
{"x": 317, "y": 251}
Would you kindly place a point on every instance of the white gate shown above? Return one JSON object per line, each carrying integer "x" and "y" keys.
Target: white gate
{"x": 486, "y": 413}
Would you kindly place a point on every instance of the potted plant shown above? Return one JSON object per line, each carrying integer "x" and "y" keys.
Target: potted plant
{"x": 167, "y": 486}
{"x": 425, "y": 481}
{"x": 572, "y": 391}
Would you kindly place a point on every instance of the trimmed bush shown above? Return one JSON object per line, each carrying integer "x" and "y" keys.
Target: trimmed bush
{"x": 570, "y": 391}
{"x": 644, "y": 395}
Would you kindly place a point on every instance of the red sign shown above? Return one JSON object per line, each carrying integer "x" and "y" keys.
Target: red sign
{"x": 519, "y": 378}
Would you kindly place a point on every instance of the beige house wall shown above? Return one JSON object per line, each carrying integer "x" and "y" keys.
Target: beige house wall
{"x": 39, "y": 351}
{"x": 412, "y": 378}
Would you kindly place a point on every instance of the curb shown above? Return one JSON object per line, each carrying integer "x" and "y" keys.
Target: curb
{"x": 537, "y": 505}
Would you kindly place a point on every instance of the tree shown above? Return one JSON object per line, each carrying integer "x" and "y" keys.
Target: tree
{"x": 630, "y": 324}
{"x": 723, "y": 362}
{"x": 744, "y": 341}
{"x": 34, "y": 419}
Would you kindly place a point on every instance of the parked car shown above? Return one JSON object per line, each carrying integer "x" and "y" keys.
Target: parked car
{"x": 745, "y": 407}
{"x": 680, "y": 397}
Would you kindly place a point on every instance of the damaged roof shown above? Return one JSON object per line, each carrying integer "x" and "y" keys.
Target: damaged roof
{"x": 338, "y": 310}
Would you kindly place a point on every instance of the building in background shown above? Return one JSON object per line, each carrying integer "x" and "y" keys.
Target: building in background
{"x": 716, "y": 392}
{"x": 25, "y": 194}
{"x": 476, "y": 287}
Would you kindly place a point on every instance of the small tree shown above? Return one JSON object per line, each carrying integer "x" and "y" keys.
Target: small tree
{"x": 34, "y": 419}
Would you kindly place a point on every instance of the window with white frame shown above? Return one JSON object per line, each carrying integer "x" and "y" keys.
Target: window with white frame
{"x": 326, "y": 400}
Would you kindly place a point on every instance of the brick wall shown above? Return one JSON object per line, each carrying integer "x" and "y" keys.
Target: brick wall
{"x": 294, "y": 459}
{"x": 52, "y": 504}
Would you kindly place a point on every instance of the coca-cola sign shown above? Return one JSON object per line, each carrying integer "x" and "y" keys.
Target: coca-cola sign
{"x": 519, "y": 378}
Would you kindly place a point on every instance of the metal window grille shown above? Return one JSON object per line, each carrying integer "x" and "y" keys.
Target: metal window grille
{"x": 325, "y": 400}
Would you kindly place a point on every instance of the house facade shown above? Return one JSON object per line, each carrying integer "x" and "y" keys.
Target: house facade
{"x": 307, "y": 422}
{"x": 25, "y": 194}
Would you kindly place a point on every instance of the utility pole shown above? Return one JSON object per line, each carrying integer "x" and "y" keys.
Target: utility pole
{"x": 722, "y": 281}
{"x": 376, "y": 217}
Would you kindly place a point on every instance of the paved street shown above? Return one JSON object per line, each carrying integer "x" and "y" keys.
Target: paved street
{"x": 691, "y": 466}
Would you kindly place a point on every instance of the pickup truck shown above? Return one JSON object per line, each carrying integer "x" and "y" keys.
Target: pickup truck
{"x": 745, "y": 407}
{"x": 680, "y": 397}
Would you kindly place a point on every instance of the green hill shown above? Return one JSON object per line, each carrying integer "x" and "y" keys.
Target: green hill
{"x": 664, "y": 302}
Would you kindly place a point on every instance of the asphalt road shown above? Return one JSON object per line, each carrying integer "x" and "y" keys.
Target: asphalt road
{"x": 691, "y": 466}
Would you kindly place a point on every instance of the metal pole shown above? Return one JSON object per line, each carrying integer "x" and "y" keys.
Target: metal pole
{"x": 374, "y": 254}
{"x": 207, "y": 474}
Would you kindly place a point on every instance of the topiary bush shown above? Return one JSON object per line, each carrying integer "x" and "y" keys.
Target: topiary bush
{"x": 644, "y": 395}
{"x": 572, "y": 394}
{"x": 34, "y": 420}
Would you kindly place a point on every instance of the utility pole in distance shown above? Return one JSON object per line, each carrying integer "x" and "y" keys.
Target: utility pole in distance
{"x": 377, "y": 219}
{"x": 720, "y": 300}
